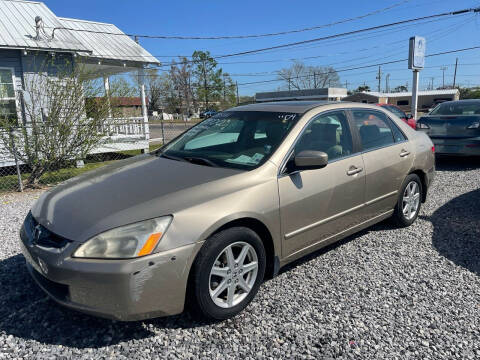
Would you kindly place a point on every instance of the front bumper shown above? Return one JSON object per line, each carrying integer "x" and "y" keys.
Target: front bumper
{"x": 131, "y": 289}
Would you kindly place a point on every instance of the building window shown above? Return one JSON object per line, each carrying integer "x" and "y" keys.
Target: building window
{"x": 8, "y": 107}
{"x": 402, "y": 102}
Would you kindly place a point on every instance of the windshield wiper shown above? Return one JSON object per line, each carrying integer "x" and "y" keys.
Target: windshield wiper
{"x": 176, "y": 158}
{"x": 190, "y": 159}
{"x": 200, "y": 161}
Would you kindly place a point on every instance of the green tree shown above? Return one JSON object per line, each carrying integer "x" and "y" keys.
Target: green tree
{"x": 362, "y": 88}
{"x": 469, "y": 93}
{"x": 400, "y": 88}
{"x": 229, "y": 92}
{"x": 208, "y": 79}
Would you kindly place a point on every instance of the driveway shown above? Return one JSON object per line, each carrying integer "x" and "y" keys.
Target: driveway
{"x": 383, "y": 293}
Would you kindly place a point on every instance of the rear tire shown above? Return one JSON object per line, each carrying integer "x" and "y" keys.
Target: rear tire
{"x": 409, "y": 201}
{"x": 227, "y": 273}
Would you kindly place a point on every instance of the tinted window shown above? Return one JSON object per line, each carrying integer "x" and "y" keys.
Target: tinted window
{"x": 373, "y": 128}
{"x": 457, "y": 108}
{"x": 396, "y": 111}
{"x": 328, "y": 133}
{"x": 237, "y": 139}
{"x": 402, "y": 102}
{"x": 397, "y": 133}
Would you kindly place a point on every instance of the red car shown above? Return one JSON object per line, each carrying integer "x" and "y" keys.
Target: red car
{"x": 400, "y": 113}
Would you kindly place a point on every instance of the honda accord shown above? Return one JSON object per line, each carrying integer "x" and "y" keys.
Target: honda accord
{"x": 206, "y": 218}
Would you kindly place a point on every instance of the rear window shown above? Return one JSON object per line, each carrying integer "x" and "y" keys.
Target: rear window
{"x": 457, "y": 108}
{"x": 396, "y": 111}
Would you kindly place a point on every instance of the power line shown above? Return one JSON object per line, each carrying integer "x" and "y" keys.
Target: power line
{"x": 366, "y": 66}
{"x": 353, "y": 32}
{"x": 230, "y": 37}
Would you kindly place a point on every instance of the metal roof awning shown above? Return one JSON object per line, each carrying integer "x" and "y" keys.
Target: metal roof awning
{"x": 92, "y": 40}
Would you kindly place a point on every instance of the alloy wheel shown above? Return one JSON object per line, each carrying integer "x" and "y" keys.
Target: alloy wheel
{"x": 411, "y": 200}
{"x": 233, "y": 274}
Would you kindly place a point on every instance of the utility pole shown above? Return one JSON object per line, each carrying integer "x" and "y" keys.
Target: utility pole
{"x": 346, "y": 84}
{"x": 455, "y": 73}
{"x": 289, "y": 83}
{"x": 431, "y": 84}
{"x": 387, "y": 87}
{"x": 238, "y": 99}
{"x": 379, "y": 78}
{"x": 443, "y": 68}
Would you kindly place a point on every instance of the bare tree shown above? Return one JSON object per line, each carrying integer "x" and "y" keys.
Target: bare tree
{"x": 300, "y": 76}
{"x": 54, "y": 130}
{"x": 181, "y": 76}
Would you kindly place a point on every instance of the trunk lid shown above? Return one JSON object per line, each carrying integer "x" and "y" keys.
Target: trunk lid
{"x": 450, "y": 126}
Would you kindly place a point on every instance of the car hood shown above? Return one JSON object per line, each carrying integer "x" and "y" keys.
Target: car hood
{"x": 125, "y": 192}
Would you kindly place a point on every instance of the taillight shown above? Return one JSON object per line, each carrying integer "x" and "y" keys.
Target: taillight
{"x": 422, "y": 126}
{"x": 433, "y": 149}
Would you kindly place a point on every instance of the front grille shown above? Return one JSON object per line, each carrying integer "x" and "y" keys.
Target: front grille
{"x": 57, "y": 290}
{"x": 41, "y": 236}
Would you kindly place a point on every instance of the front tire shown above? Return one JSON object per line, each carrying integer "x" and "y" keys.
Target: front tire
{"x": 409, "y": 201}
{"x": 227, "y": 273}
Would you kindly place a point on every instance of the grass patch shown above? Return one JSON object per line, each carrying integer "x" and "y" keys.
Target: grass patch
{"x": 152, "y": 147}
{"x": 10, "y": 182}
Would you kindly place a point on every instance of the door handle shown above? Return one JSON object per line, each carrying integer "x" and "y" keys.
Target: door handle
{"x": 354, "y": 170}
{"x": 404, "y": 153}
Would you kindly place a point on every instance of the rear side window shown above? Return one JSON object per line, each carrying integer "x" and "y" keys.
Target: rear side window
{"x": 374, "y": 129}
{"x": 397, "y": 133}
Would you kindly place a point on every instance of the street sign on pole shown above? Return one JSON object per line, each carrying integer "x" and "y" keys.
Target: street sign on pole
{"x": 416, "y": 53}
{"x": 416, "y": 62}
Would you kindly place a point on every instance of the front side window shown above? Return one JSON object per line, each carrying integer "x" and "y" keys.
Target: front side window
{"x": 235, "y": 139}
{"x": 373, "y": 128}
{"x": 328, "y": 133}
{"x": 8, "y": 108}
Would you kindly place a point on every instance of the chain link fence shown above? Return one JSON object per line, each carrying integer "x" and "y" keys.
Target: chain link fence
{"x": 125, "y": 138}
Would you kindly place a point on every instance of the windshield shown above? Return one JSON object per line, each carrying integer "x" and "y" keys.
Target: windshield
{"x": 396, "y": 111}
{"x": 235, "y": 139}
{"x": 457, "y": 108}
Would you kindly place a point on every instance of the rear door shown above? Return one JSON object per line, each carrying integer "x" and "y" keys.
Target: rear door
{"x": 387, "y": 156}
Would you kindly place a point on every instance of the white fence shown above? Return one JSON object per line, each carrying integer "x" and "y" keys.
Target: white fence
{"x": 122, "y": 134}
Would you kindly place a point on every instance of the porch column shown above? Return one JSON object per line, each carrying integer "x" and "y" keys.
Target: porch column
{"x": 141, "y": 81}
{"x": 106, "y": 85}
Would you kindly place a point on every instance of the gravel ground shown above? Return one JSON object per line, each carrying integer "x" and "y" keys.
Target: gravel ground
{"x": 384, "y": 293}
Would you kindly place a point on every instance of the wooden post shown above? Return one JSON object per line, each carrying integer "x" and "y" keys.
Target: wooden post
{"x": 141, "y": 81}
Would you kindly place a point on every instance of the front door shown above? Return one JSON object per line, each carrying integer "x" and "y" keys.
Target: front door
{"x": 317, "y": 204}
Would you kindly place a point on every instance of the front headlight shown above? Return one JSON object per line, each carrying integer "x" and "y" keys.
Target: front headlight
{"x": 127, "y": 241}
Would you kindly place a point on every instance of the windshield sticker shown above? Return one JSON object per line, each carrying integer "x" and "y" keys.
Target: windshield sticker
{"x": 242, "y": 159}
{"x": 257, "y": 157}
{"x": 287, "y": 117}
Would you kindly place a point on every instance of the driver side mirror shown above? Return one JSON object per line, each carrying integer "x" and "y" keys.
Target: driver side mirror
{"x": 309, "y": 160}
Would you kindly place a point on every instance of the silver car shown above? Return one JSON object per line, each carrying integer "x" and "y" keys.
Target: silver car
{"x": 204, "y": 220}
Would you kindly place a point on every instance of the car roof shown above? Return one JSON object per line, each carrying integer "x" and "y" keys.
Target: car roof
{"x": 298, "y": 107}
{"x": 464, "y": 101}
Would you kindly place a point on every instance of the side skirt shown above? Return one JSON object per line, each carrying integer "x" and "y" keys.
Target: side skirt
{"x": 334, "y": 238}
